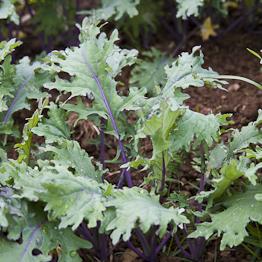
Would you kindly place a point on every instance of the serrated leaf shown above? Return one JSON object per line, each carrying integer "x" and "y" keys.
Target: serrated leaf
{"x": 97, "y": 59}
{"x": 160, "y": 127}
{"x": 256, "y": 154}
{"x": 20, "y": 83}
{"x": 217, "y": 156}
{"x": 134, "y": 208}
{"x": 7, "y": 48}
{"x": 187, "y": 71}
{"x": 83, "y": 111}
{"x": 249, "y": 134}
{"x": 194, "y": 126}
{"x": 241, "y": 209}
{"x": 7, "y": 10}
{"x": 54, "y": 127}
{"x": 29, "y": 84}
{"x": 116, "y": 9}
{"x": 229, "y": 173}
{"x": 63, "y": 194}
{"x": 187, "y": 8}
{"x": 44, "y": 236}
{"x": 68, "y": 153}
{"x": 9, "y": 207}
{"x": 53, "y": 16}
{"x": 24, "y": 148}
{"x": 149, "y": 72}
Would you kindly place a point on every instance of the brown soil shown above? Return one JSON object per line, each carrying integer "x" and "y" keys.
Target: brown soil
{"x": 229, "y": 56}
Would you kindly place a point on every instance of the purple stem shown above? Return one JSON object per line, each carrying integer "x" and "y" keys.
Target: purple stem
{"x": 202, "y": 183}
{"x": 87, "y": 235}
{"x": 143, "y": 241}
{"x": 189, "y": 241}
{"x": 10, "y": 27}
{"x": 136, "y": 250}
{"x": 103, "y": 251}
{"x": 121, "y": 179}
{"x": 163, "y": 243}
{"x": 77, "y": 10}
{"x": 102, "y": 143}
{"x": 110, "y": 113}
{"x": 183, "y": 251}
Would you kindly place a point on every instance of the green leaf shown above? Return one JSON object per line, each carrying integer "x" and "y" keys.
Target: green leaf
{"x": 184, "y": 72}
{"x": 160, "y": 127}
{"x": 7, "y": 48}
{"x": 116, "y": 8}
{"x": 45, "y": 237}
{"x": 68, "y": 153}
{"x": 135, "y": 207}
{"x": 54, "y": 128}
{"x": 217, "y": 156}
{"x": 19, "y": 83}
{"x": 63, "y": 194}
{"x": 232, "y": 171}
{"x": 187, "y": 8}
{"x": 229, "y": 173}
{"x": 7, "y": 10}
{"x": 255, "y": 54}
{"x": 254, "y": 154}
{"x": 241, "y": 209}
{"x": 9, "y": 207}
{"x": 149, "y": 73}
{"x": 83, "y": 111}
{"x": 24, "y": 148}
{"x": 187, "y": 71}
{"x": 3, "y": 106}
{"x": 53, "y": 16}
{"x": 197, "y": 127}
{"x": 11, "y": 169}
{"x": 96, "y": 57}
{"x": 29, "y": 81}
{"x": 249, "y": 134}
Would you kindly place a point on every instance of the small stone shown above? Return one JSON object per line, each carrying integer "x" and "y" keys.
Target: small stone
{"x": 233, "y": 87}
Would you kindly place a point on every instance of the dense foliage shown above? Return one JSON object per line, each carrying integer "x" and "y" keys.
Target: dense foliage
{"x": 56, "y": 200}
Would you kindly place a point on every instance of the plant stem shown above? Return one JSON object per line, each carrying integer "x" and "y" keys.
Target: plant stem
{"x": 103, "y": 250}
{"x": 86, "y": 234}
{"x": 136, "y": 250}
{"x": 244, "y": 79}
{"x": 163, "y": 242}
{"x": 144, "y": 243}
{"x": 183, "y": 251}
{"x": 121, "y": 179}
{"x": 110, "y": 114}
{"x": 102, "y": 143}
{"x": 163, "y": 181}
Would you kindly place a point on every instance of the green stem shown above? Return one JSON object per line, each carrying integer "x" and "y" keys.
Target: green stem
{"x": 231, "y": 77}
